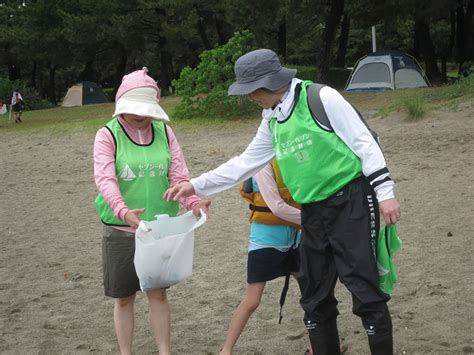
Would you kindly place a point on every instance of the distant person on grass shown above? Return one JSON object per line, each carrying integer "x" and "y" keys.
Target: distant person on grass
{"x": 136, "y": 158}
{"x": 3, "y": 108}
{"x": 17, "y": 105}
{"x": 275, "y": 233}
{"x": 338, "y": 175}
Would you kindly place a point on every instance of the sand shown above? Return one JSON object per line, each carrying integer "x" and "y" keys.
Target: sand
{"x": 52, "y": 299}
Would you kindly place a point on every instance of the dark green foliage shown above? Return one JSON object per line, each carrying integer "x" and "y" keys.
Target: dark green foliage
{"x": 337, "y": 76}
{"x": 57, "y": 43}
{"x": 204, "y": 88}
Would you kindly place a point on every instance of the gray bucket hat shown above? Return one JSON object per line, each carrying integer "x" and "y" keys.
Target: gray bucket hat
{"x": 259, "y": 69}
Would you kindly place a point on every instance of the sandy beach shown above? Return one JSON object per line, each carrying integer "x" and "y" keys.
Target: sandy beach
{"x": 51, "y": 291}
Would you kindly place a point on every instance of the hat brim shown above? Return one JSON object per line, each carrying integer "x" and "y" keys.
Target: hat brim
{"x": 132, "y": 107}
{"x": 270, "y": 82}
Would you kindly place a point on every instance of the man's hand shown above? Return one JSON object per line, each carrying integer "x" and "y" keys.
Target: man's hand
{"x": 131, "y": 217}
{"x": 202, "y": 205}
{"x": 182, "y": 189}
{"x": 390, "y": 211}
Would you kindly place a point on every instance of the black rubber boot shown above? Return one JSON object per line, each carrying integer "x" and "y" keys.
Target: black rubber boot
{"x": 324, "y": 338}
{"x": 381, "y": 344}
{"x": 380, "y": 336}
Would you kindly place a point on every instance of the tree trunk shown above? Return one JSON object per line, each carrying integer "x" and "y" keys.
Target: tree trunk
{"x": 52, "y": 84}
{"x": 452, "y": 34}
{"x": 447, "y": 52}
{"x": 87, "y": 73}
{"x": 323, "y": 59}
{"x": 460, "y": 35}
{"x": 464, "y": 47}
{"x": 422, "y": 31}
{"x": 201, "y": 27}
{"x": 444, "y": 69}
{"x": 167, "y": 71}
{"x": 166, "y": 59}
{"x": 120, "y": 68}
{"x": 281, "y": 39}
{"x": 343, "y": 39}
{"x": 13, "y": 73}
{"x": 33, "y": 75}
{"x": 222, "y": 38}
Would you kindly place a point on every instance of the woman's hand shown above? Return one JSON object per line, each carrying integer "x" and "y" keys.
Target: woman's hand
{"x": 182, "y": 189}
{"x": 202, "y": 205}
{"x": 131, "y": 217}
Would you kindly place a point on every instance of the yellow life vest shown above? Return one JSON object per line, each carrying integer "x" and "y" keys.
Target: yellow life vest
{"x": 259, "y": 211}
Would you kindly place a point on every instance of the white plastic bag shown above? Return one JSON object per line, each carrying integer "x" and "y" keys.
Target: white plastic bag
{"x": 164, "y": 249}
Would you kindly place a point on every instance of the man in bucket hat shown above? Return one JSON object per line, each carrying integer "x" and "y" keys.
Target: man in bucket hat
{"x": 136, "y": 158}
{"x": 338, "y": 175}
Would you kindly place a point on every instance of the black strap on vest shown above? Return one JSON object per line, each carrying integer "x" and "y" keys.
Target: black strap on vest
{"x": 283, "y": 295}
{"x": 284, "y": 291}
{"x": 259, "y": 208}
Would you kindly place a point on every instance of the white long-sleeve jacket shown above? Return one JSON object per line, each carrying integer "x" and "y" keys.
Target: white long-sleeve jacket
{"x": 345, "y": 123}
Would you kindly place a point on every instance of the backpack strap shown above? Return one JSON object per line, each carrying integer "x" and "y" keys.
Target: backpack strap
{"x": 318, "y": 112}
{"x": 316, "y": 107}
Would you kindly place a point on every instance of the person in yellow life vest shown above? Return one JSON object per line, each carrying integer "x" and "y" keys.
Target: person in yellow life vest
{"x": 275, "y": 233}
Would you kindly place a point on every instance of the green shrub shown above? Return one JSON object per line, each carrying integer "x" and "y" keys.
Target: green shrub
{"x": 204, "y": 88}
{"x": 414, "y": 103}
{"x": 109, "y": 92}
{"x": 304, "y": 72}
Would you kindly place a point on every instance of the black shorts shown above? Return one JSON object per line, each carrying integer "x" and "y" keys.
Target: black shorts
{"x": 269, "y": 263}
{"x": 118, "y": 250}
{"x": 18, "y": 108}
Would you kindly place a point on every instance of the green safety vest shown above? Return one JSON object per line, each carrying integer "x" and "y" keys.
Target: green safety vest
{"x": 142, "y": 174}
{"x": 314, "y": 163}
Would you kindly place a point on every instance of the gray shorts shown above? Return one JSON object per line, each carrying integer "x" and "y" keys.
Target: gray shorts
{"x": 118, "y": 250}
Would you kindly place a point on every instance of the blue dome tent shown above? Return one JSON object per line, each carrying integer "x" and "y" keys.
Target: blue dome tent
{"x": 386, "y": 70}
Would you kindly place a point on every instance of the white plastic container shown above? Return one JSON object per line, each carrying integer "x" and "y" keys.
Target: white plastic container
{"x": 164, "y": 249}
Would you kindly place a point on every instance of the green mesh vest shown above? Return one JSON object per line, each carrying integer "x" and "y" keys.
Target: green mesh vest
{"x": 142, "y": 174}
{"x": 314, "y": 163}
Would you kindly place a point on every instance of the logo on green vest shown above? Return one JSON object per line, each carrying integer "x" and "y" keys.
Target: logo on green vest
{"x": 301, "y": 156}
{"x": 127, "y": 174}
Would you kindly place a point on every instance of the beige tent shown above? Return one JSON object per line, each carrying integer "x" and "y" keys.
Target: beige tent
{"x": 84, "y": 93}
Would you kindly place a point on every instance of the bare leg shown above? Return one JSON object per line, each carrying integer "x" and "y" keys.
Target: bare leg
{"x": 251, "y": 301}
{"x": 160, "y": 319}
{"x": 124, "y": 322}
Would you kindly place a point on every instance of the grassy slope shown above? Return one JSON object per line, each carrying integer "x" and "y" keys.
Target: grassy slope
{"x": 88, "y": 119}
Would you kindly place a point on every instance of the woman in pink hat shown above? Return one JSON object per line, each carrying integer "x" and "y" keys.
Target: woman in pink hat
{"x": 136, "y": 159}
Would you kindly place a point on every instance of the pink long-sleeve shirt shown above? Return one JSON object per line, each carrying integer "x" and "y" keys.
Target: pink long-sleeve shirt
{"x": 269, "y": 191}
{"x": 104, "y": 167}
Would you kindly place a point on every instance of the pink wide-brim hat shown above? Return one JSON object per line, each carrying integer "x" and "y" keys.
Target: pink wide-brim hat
{"x": 139, "y": 94}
